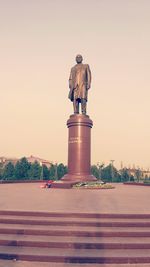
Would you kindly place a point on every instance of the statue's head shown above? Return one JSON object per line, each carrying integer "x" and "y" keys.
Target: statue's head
{"x": 79, "y": 59}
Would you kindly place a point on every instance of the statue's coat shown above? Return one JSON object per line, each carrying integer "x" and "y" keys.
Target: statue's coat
{"x": 79, "y": 82}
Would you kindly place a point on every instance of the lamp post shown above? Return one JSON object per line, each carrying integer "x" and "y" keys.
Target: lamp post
{"x": 99, "y": 170}
{"x": 41, "y": 175}
{"x": 56, "y": 172}
{"x": 112, "y": 169}
{"x": 100, "y": 166}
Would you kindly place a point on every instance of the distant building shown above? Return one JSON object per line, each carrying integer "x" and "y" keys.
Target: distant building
{"x": 2, "y": 160}
{"x": 132, "y": 171}
{"x": 144, "y": 174}
{"x": 42, "y": 162}
{"x": 31, "y": 159}
{"x": 5, "y": 160}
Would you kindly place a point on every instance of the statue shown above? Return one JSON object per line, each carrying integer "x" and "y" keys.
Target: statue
{"x": 79, "y": 84}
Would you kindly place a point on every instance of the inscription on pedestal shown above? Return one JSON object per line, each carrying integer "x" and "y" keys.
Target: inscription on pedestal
{"x": 73, "y": 140}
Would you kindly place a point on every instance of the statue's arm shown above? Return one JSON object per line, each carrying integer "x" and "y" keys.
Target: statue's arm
{"x": 88, "y": 77}
{"x": 70, "y": 80}
{"x": 71, "y": 96}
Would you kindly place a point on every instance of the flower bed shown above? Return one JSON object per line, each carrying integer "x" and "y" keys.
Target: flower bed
{"x": 93, "y": 185}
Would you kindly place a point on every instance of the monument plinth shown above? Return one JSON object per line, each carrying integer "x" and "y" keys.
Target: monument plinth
{"x": 79, "y": 149}
{"x": 79, "y": 127}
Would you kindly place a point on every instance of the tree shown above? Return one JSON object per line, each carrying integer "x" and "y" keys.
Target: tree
{"x": 61, "y": 170}
{"x": 125, "y": 176}
{"x": 138, "y": 174}
{"x": 35, "y": 171}
{"x": 45, "y": 172}
{"x": 1, "y": 171}
{"x": 9, "y": 171}
{"x": 57, "y": 171}
{"x": 22, "y": 168}
{"x": 110, "y": 174}
{"x": 52, "y": 170}
{"x": 95, "y": 171}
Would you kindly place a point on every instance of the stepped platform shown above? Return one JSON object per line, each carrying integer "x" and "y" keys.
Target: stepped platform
{"x": 72, "y": 228}
{"x": 8, "y": 263}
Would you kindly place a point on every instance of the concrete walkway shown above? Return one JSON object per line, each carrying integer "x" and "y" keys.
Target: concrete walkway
{"x": 31, "y": 197}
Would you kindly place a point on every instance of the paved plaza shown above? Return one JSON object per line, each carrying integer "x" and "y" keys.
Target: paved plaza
{"x": 31, "y": 197}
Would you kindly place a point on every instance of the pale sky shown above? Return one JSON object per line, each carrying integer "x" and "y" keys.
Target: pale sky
{"x": 39, "y": 40}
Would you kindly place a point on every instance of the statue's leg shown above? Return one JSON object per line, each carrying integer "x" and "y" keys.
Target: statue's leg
{"x": 83, "y": 105}
{"x": 76, "y": 106}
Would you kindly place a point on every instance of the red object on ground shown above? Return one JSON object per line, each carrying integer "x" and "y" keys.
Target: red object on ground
{"x": 47, "y": 184}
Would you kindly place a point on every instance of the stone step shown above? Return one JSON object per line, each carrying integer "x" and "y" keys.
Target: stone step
{"x": 73, "y": 219}
{"x": 75, "y": 255}
{"x": 63, "y": 231}
{"x": 74, "y": 214}
{"x": 74, "y": 223}
{"x": 74, "y": 242}
{"x": 72, "y": 227}
{"x": 72, "y": 239}
{"x": 12, "y": 263}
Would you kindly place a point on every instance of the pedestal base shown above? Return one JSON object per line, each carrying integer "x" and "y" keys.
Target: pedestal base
{"x": 63, "y": 185}
{"x": 79, "y": 149}
{"x": 79, "y": 178}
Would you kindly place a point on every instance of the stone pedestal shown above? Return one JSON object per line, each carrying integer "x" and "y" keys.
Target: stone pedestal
{"x": 79, "y": 149}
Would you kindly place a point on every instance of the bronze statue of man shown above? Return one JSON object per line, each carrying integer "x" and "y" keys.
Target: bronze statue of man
{"x": 79, "y": 84}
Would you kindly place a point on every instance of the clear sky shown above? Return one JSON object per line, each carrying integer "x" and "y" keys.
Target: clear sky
{"x": 39, "y": 40}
